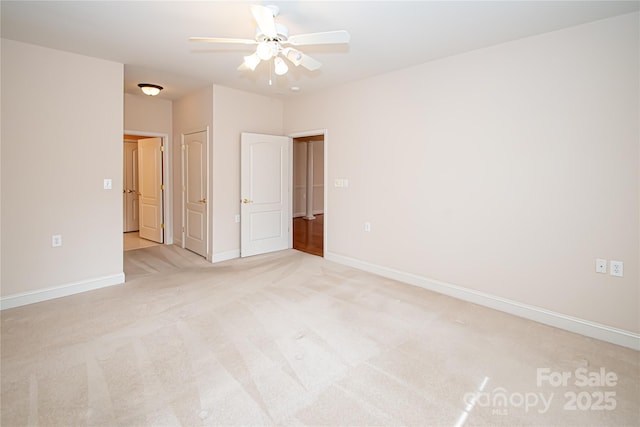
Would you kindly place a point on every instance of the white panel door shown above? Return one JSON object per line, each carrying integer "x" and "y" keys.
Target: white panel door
{"x": 150, "y": 188}
{"x": 265, "y": 207}
{"x": 195, "y": 192}
{"x": 130, "y": 186}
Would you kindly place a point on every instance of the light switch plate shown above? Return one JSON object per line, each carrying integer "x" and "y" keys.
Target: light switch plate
{"x": 108, "y": 184}
{"x": 341, "y": 182}
{"x": 601, "y": 265}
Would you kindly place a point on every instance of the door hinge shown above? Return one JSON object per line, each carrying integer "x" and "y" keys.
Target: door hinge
{"x": 183, "y": 230}
{"x": 162, "y": 148}
{"x": 162, "y": 186}
{"x": 184, "y": 147}
{"x": 162, "y": 226}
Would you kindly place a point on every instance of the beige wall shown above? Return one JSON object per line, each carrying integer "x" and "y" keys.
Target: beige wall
{"x": 235, "y": 112}
{"x": 59, "y": 142}
{"x": 507, "y": 170}
{"x": 147, "y": 114}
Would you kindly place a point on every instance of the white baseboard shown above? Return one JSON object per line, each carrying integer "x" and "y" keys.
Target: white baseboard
{"x": 18, "y": 300}
{"x": 548, "y": 317}
{"x": 301, "y": 214}
{"x": 225, "y": 256}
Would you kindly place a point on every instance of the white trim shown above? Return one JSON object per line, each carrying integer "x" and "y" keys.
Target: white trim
{"x": 73, "y": 288}
{"x": 290, "y": 201}
{"x": 167, "y": 214}
{"x": 301, "y": 214}
{"x": 548, "y": 317}
{"x": 225, "y": 256}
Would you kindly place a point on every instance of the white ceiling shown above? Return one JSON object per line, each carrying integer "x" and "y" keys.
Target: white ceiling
{"x": 150, "y": 37}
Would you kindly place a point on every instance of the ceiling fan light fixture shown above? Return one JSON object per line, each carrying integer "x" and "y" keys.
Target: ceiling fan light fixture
{"x": 295, "y": 56}
{"x": 272, "y": 42}
{"x": 150, "y": 89}
{"x": 266, "y": 51}
{"x": 252, "y": 61}
{"x": 280, "y": 66}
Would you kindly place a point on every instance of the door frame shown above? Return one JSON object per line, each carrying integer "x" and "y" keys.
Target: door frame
{"x": 167, "y": 177}
{"x": 209, "y": 234}
{"x": 325, "y": 134}
{"x": 130, "y": 141}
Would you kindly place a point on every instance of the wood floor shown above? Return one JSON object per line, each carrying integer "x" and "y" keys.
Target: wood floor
{"x": 308, "y": 235}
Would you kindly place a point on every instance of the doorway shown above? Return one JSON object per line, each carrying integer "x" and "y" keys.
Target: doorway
{"x": 308, "y": 194}
{"x": 143, "y": 191}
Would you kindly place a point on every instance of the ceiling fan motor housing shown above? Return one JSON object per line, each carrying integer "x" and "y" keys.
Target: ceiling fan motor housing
{"x": 283, "y": 34}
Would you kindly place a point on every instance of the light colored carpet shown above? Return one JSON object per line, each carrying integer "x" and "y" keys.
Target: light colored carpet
{"x": 292, "y": 339}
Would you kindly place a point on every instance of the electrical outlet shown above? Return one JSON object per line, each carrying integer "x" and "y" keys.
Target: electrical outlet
{"x": 56, "y": 240}
{"x": 601, "y": 266}
{"x": 616, "y": 268}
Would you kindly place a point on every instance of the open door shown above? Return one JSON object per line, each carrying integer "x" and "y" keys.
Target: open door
{"x": 150, "y": 189}
{"x": 265, "y": 207}
{"x": 195, "y": 192}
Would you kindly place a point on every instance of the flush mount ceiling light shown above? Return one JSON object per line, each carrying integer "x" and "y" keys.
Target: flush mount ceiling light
{"x": 272, "y": 43}
{"x": 150, "y": 89}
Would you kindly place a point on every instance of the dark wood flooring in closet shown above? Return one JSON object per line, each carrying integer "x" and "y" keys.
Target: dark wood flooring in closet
{"x": 308, "y": 235}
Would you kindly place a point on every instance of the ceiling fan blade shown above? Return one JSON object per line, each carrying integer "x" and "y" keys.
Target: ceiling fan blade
{"x": 328, "y": 37}
{"x": 264, "y": 17}
{"x": 221, "y": 40}
{"x": 309, "y": 63}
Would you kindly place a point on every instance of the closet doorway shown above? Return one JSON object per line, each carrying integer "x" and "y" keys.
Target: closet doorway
{"x": 308, "y": 194}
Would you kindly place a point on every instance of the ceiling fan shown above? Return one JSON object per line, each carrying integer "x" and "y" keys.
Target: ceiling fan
{"x": 273, "y": 42}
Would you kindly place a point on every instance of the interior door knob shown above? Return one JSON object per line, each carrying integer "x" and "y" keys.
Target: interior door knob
{"x": 245, "y": 201}
{"x": 203, "y": 200}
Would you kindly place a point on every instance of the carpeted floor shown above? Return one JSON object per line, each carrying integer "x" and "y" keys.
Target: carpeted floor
{"x": 292, "y": 339}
